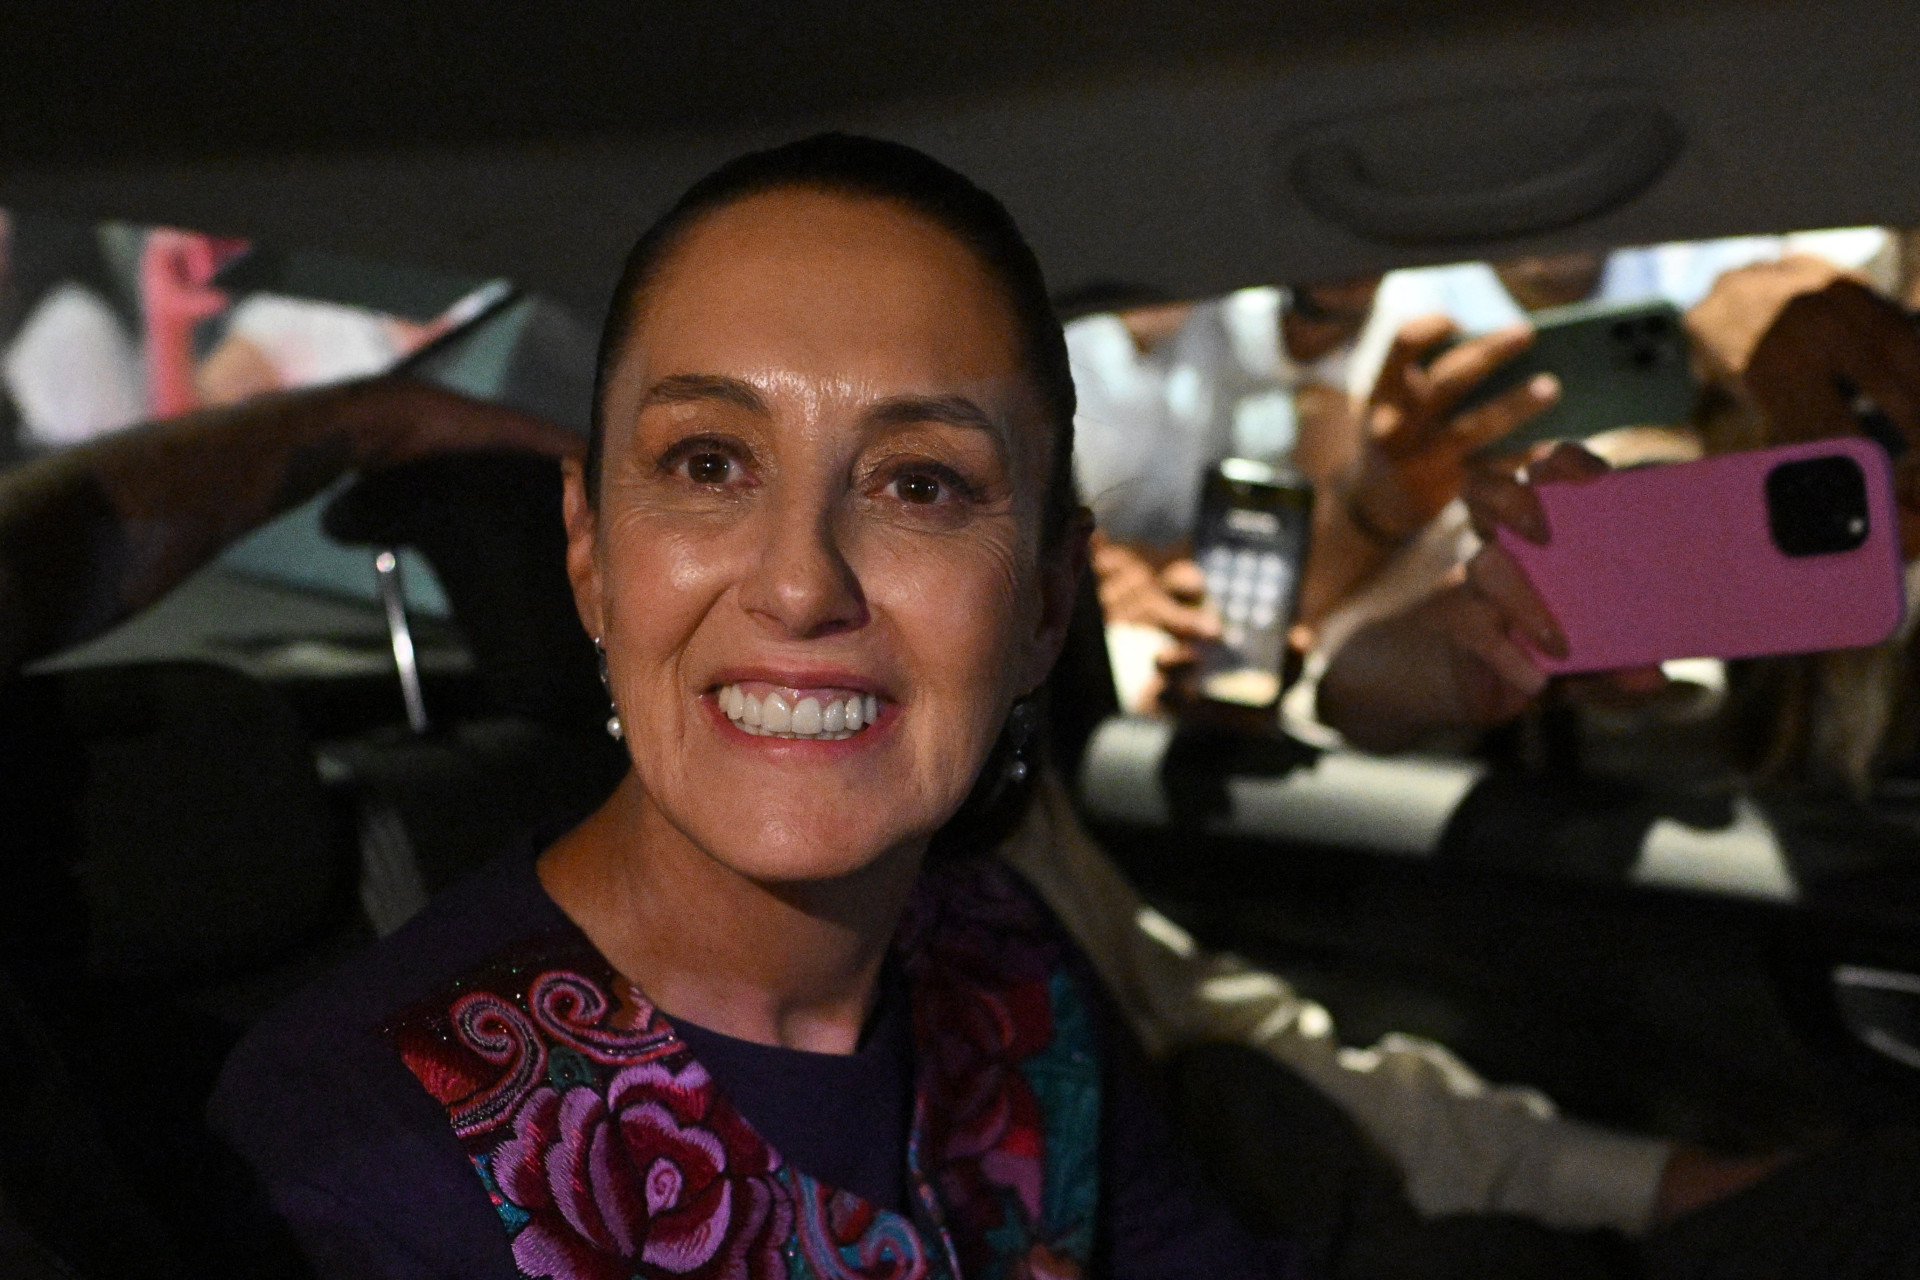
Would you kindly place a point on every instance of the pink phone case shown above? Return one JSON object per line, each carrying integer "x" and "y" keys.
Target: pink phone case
{"x": 1678, "y": 562}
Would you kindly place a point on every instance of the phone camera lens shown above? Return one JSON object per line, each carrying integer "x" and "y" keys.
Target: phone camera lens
{"x": 1818, "y": 506}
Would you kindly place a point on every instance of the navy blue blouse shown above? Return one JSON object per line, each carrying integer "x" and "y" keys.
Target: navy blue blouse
{"x": 361, "y": 1162}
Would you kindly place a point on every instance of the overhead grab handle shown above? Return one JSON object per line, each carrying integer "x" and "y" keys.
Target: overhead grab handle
{"x": 1623, "y": 150}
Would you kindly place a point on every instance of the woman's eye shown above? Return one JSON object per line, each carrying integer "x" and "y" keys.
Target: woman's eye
{"x": 919, "y": 488}
{"x": 709, "y": 468}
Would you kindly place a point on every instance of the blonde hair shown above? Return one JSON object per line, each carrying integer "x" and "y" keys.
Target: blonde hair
{"x": 1824, "y": 723}
{"x": 1827, "y": 723}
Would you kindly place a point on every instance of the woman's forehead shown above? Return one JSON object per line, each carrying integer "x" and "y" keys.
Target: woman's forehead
{"x": 818, "y": 285}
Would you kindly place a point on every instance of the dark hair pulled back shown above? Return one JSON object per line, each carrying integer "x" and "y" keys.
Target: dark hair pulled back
{"x": 846, "y": 164}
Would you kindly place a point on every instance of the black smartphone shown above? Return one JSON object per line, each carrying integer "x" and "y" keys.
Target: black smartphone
{"x": 476, "y": 335}
{"x": 1619, "y": 365}
{"x": 412, "y": 292}
{"x": 1251, "y": 543}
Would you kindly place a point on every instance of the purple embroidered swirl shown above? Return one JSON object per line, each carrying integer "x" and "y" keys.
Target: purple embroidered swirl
{"x": 501, "y": 1034}
{"x": 571, "y": 1009}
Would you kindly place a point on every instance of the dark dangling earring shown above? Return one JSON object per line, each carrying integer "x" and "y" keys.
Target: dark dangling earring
{"x": 1021, "y": 723}
{"x": 614, "y": 729}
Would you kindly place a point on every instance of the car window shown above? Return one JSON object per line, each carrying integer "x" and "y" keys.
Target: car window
{"x": 1648, "y": 346}
{"x": 106, "y": 325}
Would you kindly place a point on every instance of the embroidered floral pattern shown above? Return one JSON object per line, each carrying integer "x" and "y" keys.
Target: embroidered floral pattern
{"x": 609, "y": 1153}
{"x": 659, "y": 1170}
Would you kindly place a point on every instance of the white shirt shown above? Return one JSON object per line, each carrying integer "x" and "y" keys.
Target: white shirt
{"x": 72, "y": 371}
{"x": 311, "y": 343}
{"x": 1149, "y": 424}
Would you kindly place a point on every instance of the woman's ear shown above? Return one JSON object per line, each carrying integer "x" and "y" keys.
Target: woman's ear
{"x": 1060, "y": 573}
{"x": 583, "y": 564}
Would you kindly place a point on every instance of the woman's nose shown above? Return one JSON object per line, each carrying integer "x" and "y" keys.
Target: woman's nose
{"x": 802, "y": 585}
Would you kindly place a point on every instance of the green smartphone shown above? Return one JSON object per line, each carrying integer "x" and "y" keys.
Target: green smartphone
{"x": 1619, "y": 365}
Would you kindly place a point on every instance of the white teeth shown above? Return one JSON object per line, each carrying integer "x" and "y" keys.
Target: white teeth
{"x": 806, "y": 717}
{"x": 774, "y": 715}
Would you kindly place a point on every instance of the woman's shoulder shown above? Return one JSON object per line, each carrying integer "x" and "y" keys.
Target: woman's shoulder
{"x": 461, "y": 927}
{"x": 313, "y": 1065}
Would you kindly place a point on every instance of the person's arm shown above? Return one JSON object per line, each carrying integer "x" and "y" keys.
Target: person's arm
{"x": 1725, "y": 327}
{"x": 1802, "y": 346}
{"x": 92, "y": 535}
{"x": 1463, "y": 1145}
{"x": 1132, "y": 590}
{"x": 1163, "y": 606}
{"x": 1414, "y": 453}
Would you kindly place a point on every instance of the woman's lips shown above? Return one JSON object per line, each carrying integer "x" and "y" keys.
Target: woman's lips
{"x": 824, "y": 714}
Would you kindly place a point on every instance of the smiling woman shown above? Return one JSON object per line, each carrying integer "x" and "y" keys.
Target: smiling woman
{"x": 739, "y": 1021}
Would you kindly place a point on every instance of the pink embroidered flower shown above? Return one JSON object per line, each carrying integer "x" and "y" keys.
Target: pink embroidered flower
{"x": 657, "y": 1173}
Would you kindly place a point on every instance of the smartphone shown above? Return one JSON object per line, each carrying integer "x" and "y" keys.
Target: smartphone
{"x": 1619, "y": 365}
{"x": 1251, "y": 543}
{"x": 413, "y": 292}
{"x": 1794, "y": 549}
{"x": 459, "y": 356}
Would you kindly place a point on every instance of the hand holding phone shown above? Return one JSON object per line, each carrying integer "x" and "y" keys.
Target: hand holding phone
{"x": 1423, "y": 424}
{"x": 1786, "y": 550}
{"x": 1617, "y": 365}
{"x": 1252, "y": 547}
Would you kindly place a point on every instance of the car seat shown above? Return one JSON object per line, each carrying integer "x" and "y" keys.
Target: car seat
{"x": 175, "y": 869}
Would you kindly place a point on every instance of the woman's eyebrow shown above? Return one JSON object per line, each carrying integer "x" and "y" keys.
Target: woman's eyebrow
{"x": 684, "y": 388}
{"x": 956, "y": 411}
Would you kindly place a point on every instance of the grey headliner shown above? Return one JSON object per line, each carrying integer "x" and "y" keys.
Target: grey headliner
{"x": 1136, "y": 140}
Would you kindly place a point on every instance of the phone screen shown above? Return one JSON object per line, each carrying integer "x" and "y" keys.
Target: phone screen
{"x": 1251, "y": 545}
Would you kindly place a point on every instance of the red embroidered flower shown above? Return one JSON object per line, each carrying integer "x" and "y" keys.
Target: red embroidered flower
{"x": 983, "y": 1121}
{"x": 976, "y": 919}
{"x": 653, "y": 1174}
{"x": 982, "y": 1008}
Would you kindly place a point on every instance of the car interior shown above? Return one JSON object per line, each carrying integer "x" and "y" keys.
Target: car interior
{"x": 368, "y": 699}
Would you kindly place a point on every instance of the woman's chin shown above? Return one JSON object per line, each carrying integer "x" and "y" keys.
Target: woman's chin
{"x": 793, "y": 855}
{"x": 832, "y": 829}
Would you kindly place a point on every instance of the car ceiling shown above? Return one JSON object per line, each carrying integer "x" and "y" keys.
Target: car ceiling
{"x": 1155, "y": 141}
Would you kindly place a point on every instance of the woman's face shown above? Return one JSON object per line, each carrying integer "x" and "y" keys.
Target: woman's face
{"x": 820, "y": 506}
